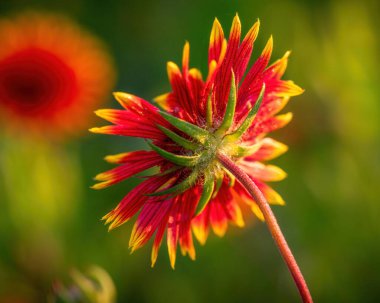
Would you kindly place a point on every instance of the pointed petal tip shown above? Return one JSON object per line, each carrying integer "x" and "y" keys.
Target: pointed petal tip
{"x": 98, "y": 186}
{"x": 125, "y": 99}
{"x": 172, "y": 67}
{"x": 287, "y": 54}
{"x": 95, "y": 130}
{"x": 119, "y": 95}
{"x": 105, "y": 114}
{"x": 285, "y": 118}
{"x": 270, "y": 42}
{"x": 216, "y": 21}
{"x": 236, "y": 21}
{"x": 100, "y": 177}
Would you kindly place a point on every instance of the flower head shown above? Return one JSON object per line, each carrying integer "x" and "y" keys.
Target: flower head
{"x": 52, "y": 73}
{"x": 229, "y": 113}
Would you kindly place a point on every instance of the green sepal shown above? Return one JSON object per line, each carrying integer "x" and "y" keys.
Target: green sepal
{"x": 209, "y": 111}
{"x": 192, "y": 130}
{"x": 230, "y": 109}
{"x": 249, "y": 119}
{"x": 178, "y": 139}
{"x": 208, "y": 189}
{"x": 242, "y": 151}
{"x": 164, "y": 173}
{"x": 230, "y": 176}
{"x": 176, "y": 159}
{"x": 218, "y": 185}
{"x": 180, "y": 187}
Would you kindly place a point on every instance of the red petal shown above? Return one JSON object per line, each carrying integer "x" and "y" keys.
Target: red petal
{"x": 188, "y": 200}
{"x": 200, "y": 225}
{"x": 158, "y": 240}
{"x": 245, "y": 51}
{"x": 260, "y": 171}
{"x": 182, "y": 93}
{"x": 173, "y": 232}
{"x": 269, "y": 149}
{"x": 251, "y": 86}
{"x": 223, "y": 76}
{"x": 216, "y": 42}
{"x": 134, "y": 163}
{"x": 277, "y": 69}
{"x": 135, "y": 199}
{"x": 150, "y": 217}
{"x": 283, "y": 88}
{"x": 218, "y": 218}
{"x": 269, "y": 125}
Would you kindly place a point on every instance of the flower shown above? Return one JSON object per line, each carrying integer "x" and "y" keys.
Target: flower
{"x": 228, "y": 113}
{"x": 52, "y": 74}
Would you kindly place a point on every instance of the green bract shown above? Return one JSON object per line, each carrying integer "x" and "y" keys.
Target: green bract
{"x": 201, "y": 146}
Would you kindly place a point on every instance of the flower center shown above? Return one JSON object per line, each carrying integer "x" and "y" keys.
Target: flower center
{"x": 36, "y": 82}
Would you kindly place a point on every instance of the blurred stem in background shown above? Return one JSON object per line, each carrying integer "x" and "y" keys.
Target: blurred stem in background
{"x": 95, "y": 286}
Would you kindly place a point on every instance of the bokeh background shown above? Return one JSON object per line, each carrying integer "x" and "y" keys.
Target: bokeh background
{"x": 50, "y": 218}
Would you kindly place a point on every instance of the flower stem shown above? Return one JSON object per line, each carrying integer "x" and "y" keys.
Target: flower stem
{"x": 273, "y": 226}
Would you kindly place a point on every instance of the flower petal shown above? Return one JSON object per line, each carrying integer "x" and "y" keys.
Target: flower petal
{"x": 216, "y": 41}
{"x": 132, "y": 202}
{"x": 269, "y": 125}
{"x": 134, "y": 162}
{"x": 223, "y": 77}
{"x": 252, "y": 83}
{"x": 277, "y": 69}
{"x": 283, "y": 88}
{"x": 260, "y": 171}
{"x": 218, "y": 218}
{"x": 200, "y": 226}
{"x": 268, "y": 150}
{"x": 158, "y": 240}
{"x": 173, "y": 232}
{"x": 245, "y": 51}
{"x": 150, "y": 217}
{"x": 270, "y": 194}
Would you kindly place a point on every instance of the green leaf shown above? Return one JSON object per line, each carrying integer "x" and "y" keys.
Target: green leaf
{"x": 208, "y": 189}
{"x": 178, "y": 139}
{"x": 249, "y": 119}
{"x": 180, "y": 187}
{"x": 230, "y": 109}
{"x": 192, "y": 130}
{"x": 176, "y": 159}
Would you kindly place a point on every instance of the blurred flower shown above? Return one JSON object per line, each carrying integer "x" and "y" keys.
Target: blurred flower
{"x": 52, "y": 74}
{"x": 95, "y": 287}
{"x": 226, "y": 115}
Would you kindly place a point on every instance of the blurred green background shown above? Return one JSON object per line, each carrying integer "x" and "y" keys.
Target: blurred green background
{"x": 332, "y": 217}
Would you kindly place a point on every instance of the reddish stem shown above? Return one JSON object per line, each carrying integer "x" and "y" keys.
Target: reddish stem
{"x": 273, "y": 226}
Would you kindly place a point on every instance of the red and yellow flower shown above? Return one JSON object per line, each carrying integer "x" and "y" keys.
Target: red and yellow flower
{"x": 230, "y": 112}
{"x": 52, "y": 74}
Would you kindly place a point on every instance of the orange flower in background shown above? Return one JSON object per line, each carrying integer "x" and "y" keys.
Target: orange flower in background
{"x": 203, "y": 121}
{"x": 52, "y": 74}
